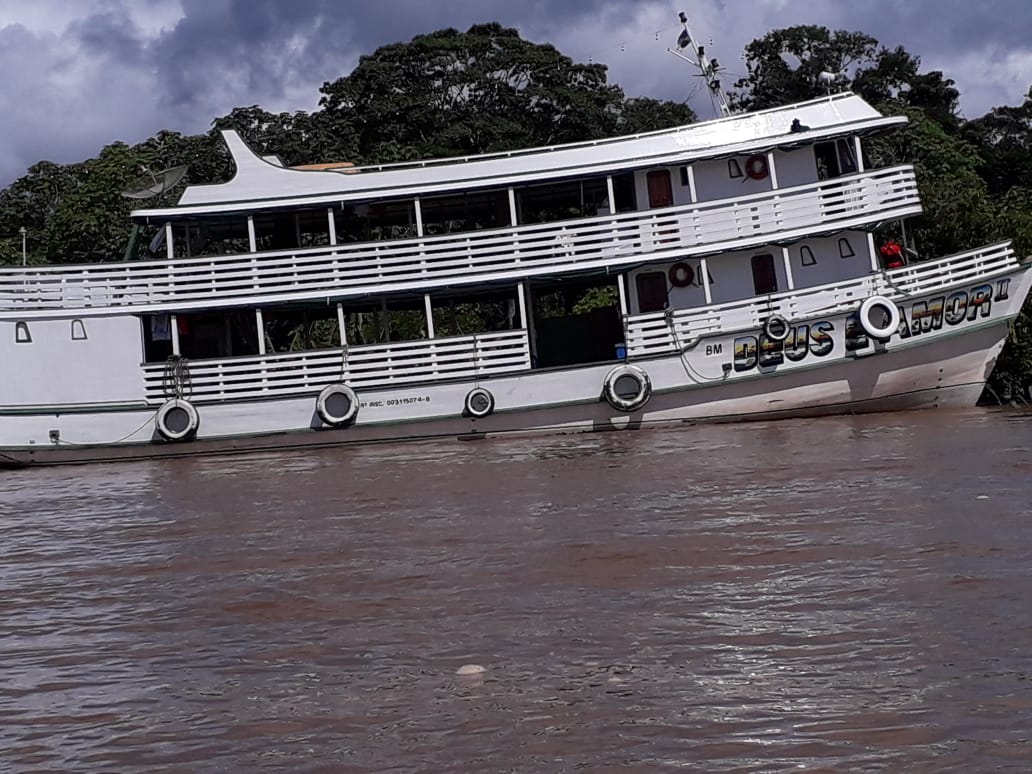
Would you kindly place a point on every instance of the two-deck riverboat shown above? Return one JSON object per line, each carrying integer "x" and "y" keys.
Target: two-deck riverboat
{"x": 722, "y": 270}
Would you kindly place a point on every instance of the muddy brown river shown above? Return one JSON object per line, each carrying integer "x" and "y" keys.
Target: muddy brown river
{"x": 842, "y": 594}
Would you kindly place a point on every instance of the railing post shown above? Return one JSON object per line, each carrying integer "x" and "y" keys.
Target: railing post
{"x": 513, "y": 224}
{"x": 705, "y": 281}
{"x": 788, "y": 268}
{"x": 873, "y": 251}
{"x": 174, "y": 324}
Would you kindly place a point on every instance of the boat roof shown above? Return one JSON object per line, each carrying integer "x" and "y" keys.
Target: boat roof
{"x": 260, "y": 185}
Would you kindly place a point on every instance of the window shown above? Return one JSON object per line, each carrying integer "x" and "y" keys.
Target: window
{"x": 78, "y": 331}
{"x": 21, "y": 333}
{"x": 765, "y": 280}
{"x": 845, "y": 249}
{"x": 733, "y": 168}
{"x": 652, "y": 291}
{"x": 550, "y": 202}
{"x": 834, "y": 159}
{"x": 684, "y": 177}
{"x": 806, "y": 257}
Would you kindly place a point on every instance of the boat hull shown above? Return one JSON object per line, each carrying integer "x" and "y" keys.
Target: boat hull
{"x": 944, "y": 371}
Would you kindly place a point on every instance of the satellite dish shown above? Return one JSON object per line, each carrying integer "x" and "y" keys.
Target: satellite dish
{"x": 159, "y": 183}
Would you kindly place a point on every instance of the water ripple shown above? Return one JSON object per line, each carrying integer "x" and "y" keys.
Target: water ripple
{"x": 821, "y": 595}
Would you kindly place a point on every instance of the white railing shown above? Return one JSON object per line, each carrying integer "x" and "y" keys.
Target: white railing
{"x": 656, "y": 332}
{"x": 362, "y": 367}
{"x": 377, "y": 267}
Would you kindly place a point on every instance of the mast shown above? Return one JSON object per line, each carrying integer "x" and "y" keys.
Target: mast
{"x": 709, "y": 69}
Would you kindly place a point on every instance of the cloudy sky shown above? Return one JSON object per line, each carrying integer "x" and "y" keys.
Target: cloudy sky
{"x": 79, "y": 75}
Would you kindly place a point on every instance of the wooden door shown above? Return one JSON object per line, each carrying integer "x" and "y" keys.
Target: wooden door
{"x": 661, "y": 192}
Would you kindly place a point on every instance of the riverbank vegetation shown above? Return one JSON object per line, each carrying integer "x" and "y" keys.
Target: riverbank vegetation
{"x": 453, "y": 93}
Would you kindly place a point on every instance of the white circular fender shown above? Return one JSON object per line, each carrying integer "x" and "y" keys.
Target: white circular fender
{"x": 177, "y": 420}
{"x": 776, "y": 328}
{"x": 627, "y": 388}
{"x": 479, "y": 403}
{"x": 870, "y": 328}
{"x": 337, "y": 405}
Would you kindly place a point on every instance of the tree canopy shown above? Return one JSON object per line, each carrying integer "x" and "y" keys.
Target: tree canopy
{"x": 447, "y": 93}
{"x": 451, "y": 93}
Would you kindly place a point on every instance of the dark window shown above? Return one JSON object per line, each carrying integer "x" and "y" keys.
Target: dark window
{"x": 465, "y": 212}
{"x": 834, "y": 159}
{"x": 806, "y": 257}
{"x": 551, "y": 202}
{"x": 765, "y": 280}
{"x": 684, "y": 176}
{"x": 652, "y": 291}
{"x": 733, "y": 168}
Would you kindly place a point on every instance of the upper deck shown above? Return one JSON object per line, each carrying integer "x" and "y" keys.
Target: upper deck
{"x": 260, "y": 184}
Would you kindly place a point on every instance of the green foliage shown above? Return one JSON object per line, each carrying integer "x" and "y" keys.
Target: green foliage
{"x": 444, "y": 94}
{"x": 785, "y": 66}
{"x": 958, "y": 212}
{"x": 450, "y": 93}
{"x": 1004, "y": 136}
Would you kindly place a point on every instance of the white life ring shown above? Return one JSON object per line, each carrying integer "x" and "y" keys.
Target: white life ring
{"x": 891, "y": 311}
{"x": 177, "y": 420}
{"x": 479, "y": 403}
{"x": 337, "y": 405}
{"x": 776, "y": 328}
{"x": 627, "y": 388}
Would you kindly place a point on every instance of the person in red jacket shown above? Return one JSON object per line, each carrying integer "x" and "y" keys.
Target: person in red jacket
{"x": 892, "y": 255}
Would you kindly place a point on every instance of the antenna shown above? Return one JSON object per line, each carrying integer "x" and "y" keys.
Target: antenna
{"x": 708, "y": 68}
{"x": 159, "y": 183}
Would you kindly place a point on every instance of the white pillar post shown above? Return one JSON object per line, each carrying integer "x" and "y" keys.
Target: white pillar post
{"x": 260, "y": 324}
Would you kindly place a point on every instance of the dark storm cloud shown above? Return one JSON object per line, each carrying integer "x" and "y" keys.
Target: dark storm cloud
{"x": 124, "y": 70}
{"x": 109, "y": 35}
{"x": 270, "y": 46}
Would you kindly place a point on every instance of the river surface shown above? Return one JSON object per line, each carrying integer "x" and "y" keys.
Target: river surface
{"x": 840, "y": 594}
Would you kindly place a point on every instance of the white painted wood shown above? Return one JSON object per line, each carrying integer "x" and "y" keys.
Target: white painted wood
{"x": 174, "y": 327}
{"x": 704, "y": 270}
{"x": 471, "y": 257}
{"x": 742, "y": 134}
{"x": 696, "y": 352}
{"x": 169, "y": 246}
{"x": 260, "y": 325}
{"x": 787, "y": 261}
{"x": 429, "y": 310}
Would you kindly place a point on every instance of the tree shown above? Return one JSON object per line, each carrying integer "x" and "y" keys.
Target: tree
{"x": 958, "y": 211}
{"x": 1004, "y": 136}
{"x": 796, "y": 63}
{"x": 451, "y": 93}
{"x": 641, "y": 114}
{"x": 297, "y": 138}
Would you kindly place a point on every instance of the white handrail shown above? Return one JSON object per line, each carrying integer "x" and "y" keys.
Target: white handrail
{"x": 340, "y": 271}
{"x": 365, "y": 367}
{"x": 656, "y": 332}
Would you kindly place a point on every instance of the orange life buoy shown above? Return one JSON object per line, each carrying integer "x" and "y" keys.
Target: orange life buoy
{"x": 681, "y": 275}
{"x": 756, "y": 167}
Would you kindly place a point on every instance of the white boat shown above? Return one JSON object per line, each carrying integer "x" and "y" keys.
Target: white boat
{"x": 726, "y": 270}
